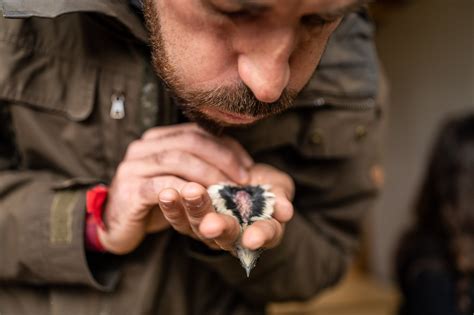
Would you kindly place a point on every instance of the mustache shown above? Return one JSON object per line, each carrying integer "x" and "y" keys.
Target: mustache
{"x": 238, "y": 99}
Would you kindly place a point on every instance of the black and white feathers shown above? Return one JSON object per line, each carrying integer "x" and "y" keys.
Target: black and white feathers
{"x": 247, "y": 204}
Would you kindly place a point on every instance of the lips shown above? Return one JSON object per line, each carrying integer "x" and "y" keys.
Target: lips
{"x": 230, "y": 118}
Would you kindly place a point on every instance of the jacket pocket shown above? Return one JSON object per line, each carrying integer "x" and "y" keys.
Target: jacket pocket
{"x": 47, "y": 83}
{"x": 51, "y": 101}
{"x": 334, "y": 130}
{"x": 337, "y": 131}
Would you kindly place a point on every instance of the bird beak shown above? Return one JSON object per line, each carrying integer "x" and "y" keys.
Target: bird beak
{"x": 248, "y": 258}
{"x": 247, "y": 270}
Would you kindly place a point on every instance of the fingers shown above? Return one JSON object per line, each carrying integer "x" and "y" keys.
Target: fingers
{"x": 224, "y": 153}
{"x": 223, "y": 229}
{"x": 263, "y": 234}
{"x": 282, "y": 186}
{"x": 196, "y": 144}
{"x": 190, "y": 212}
{"x": 148, "y": 189}
{"x": 237, "y": 147}
{"x": 283, "y": 210}
{"x": 156, "y": 221}
{"x": 197, "y": 204}
{"x": 173, "y": 211}
{"x": 162, "y": 131}
{"x": 176, "y": 163}
{"x": 266, "y": 174}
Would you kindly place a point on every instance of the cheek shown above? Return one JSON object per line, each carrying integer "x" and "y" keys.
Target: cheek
{"x": 199, "y": 55}
{"x": 306, "y": 57}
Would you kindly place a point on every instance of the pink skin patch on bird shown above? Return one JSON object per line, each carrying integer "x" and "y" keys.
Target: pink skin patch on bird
{"x": 243, "y": 201}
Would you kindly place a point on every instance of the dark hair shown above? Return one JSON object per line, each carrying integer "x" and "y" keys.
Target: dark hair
{"x": 445, "y": 203}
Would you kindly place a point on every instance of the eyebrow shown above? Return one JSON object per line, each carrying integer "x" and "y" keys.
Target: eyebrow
{"x": 352, "y": 7}
{"x": 259, "y": 6}
{"x": 254, "y": 6}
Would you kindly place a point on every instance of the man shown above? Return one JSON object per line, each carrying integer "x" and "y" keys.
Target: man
{"x": 81, "y": 106}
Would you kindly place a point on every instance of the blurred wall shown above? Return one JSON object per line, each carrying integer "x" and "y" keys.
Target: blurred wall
{"x": 427, "y": 49}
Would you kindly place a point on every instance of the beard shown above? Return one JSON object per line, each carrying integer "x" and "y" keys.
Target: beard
{"x": 235, "y": 99}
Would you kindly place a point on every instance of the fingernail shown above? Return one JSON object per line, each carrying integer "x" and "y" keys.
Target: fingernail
{"x": 248, "y": 161}
{"x": 211, "y": 235}
{"x": 255, "y": 243}
{"x": 209, "y": 229}
{"x": 288, "y": 207}
{"x": 195, "y": 202}
{"x": 167, "y": 203}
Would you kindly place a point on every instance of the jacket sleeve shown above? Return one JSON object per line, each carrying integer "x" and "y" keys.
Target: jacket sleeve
{"x": 318, "y": 242}
{"x": 41, "y": 224}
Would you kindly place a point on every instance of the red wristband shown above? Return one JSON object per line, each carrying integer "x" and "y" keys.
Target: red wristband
{"x": 92, "y": 240}
{"x": 95, "y": 203}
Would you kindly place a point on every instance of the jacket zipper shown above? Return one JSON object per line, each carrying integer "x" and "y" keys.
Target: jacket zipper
{"x": 117, "y": 110}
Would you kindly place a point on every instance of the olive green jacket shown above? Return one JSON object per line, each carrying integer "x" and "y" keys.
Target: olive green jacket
{"x": 60, "y": 76}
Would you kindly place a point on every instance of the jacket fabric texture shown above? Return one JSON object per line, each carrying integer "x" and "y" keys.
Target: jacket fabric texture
{"x": 62, "y": 66}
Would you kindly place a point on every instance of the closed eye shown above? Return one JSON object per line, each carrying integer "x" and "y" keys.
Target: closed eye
{"x": 240, "y": 12}
{"x": 237, "y": 14}
{"x": 314, "y": 20}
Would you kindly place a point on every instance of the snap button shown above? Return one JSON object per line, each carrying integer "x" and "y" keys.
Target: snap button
{"x": 319, "y": 101}
{"x": 360, "y": 132}
{"x": 316, "y": 137}
{"x": 149, "y": 100}
{"x": 148, "y": 122}
{"x": 147, "y": 105}
{"x": 377, "y": 176}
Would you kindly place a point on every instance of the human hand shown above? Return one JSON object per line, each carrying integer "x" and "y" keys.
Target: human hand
{"x": 165, "y": 157}
{"x": 191, "y": 213}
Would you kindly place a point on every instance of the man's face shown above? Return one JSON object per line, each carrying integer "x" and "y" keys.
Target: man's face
{"x": 233, "y": 62}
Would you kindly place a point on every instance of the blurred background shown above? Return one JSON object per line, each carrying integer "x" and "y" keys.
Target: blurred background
{"x": 427, "y": 51}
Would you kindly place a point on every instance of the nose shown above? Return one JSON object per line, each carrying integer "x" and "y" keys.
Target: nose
{"x": 264, "y": 66}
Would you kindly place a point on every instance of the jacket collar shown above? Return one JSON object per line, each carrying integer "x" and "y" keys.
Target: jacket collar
{"x": 119, "y": 10}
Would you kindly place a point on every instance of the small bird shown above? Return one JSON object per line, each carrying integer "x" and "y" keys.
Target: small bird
{"x": 247, "y": 204}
